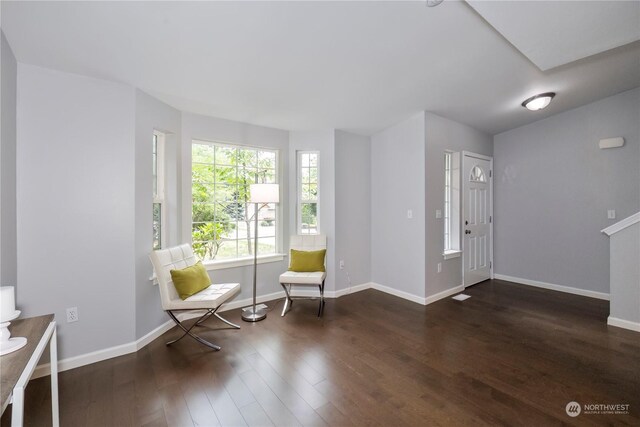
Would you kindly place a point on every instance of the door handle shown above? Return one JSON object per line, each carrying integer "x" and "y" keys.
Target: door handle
{"x": 467, "y": 231}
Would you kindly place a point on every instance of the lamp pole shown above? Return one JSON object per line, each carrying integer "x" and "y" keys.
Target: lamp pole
{"x": 253, "y": 314}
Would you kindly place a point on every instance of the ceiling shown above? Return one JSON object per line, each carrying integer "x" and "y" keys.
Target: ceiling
{"x": 555, "y": 33}
{"x": 356, "y": 66}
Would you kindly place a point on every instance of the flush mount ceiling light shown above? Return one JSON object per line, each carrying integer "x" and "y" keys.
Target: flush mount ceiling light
{"x": 433, "y": 3}
{"x": 538, "y": 102}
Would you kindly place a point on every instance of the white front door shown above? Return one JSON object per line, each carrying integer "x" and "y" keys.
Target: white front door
{"x": 476, "y": 218}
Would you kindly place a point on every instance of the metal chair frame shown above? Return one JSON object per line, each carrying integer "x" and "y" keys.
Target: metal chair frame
{"x": 208, "y": 314}
{"x": 288, "y": 302}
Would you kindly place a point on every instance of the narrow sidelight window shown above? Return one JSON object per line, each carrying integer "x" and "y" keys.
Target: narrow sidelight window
{"x": 308, "y": 192}
{"x": 158, "y": 191}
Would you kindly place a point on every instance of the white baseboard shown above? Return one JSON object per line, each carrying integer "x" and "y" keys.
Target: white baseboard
{"x": 121, "y": 350}
{"x": 111, "y": 352}
{"x": 414, "y": 298}
{"x": 351, "y": 290}
{"x": 85, "y": 359}
{"x": 553, "y": 287}
{"x": 621, "y": 323}
{"x": 396, "y": 292}
{"x": 444, "y": 294}
{"x": 232, "y": 305}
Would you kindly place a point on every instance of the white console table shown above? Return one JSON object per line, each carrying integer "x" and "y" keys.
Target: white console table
{"x": 16, "y": 368}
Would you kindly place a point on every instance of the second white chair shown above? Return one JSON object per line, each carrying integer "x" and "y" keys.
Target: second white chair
{"x": 289, "y": 279}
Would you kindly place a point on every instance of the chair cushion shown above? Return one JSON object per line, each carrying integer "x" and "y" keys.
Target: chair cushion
{"x": 307, "y": 261}
{"x": 312, "y": 278}
{"x": 190, "y": 280}
{"x": 211, "y": 297}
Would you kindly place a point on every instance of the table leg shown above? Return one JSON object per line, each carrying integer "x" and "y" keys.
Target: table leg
{"x": 17, "y": 411}
{"x": 53, "y": 350}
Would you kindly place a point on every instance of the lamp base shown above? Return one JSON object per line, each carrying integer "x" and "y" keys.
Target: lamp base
{"x": 8, "y": 345}
{"x": 253, "y": 314}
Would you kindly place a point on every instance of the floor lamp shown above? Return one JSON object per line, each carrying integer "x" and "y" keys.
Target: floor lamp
{"x": 261, "y": 194}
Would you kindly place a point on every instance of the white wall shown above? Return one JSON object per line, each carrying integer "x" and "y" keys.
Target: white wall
{"x": 85, "y": 196}
{"x": 625, "y": 274}
{"x": 219, "y": 130}
{"x": 352, "y": 204}
{"x": 151, "y": 115}
{"x": 442, "y": 134}
{"x": 398, "y": 185}
{"x": 75, "y": 174}
{"x": 324, "y": 142}
{"x": 553, "y": 187}
{"x": 8, "y": 239}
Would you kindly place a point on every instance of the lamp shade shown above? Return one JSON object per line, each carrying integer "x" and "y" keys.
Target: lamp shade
{"x": 265, "y": 193}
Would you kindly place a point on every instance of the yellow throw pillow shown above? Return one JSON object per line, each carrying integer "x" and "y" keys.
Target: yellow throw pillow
{"x": 190, "y": 280}
{"x": 307, "y": 261}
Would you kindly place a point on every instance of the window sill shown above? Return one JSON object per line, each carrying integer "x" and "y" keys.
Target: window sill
{"x": 219, "y": 265}
{"x": 241, "y": 262}
{"x": 451, "y": 254}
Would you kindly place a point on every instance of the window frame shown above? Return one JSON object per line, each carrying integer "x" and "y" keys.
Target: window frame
{"x": 447, "y": 200}
{"x": 299, "y": 200}
{"x": 452, "y": 213}
{"x": 159, "y": 196}
{"x": 217, "y": 264}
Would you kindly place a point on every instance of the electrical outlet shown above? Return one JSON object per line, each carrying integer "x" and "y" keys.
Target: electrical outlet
{"x": 438, "y": 214}
{"x": 72, "y": 314}
{"x": 439, "y": 267}
{"x": 341, "y": 264}
{"x": 611, "y": 214}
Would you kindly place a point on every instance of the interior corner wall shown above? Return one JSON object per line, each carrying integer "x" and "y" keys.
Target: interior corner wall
{"x": 442, "y": 134}
{"x": 8, "y": 216}
{"x": 553, "y": 186}
{"x": 151, "y": 115}
{"x": 226, "y": 131}
{"x": 324, "y": 142}
{"x": 75, "y": 206}
{"x": 397, "y": 186}
{"x": 352, "y": 204}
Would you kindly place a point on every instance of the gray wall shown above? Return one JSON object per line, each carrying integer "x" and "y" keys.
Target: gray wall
{"x": 553, "y": 186}
{"x": 440, "y": 135}
{"x": 324, "y": 142}
{"x": 75, "y": 206}
{"x": 397, "y": 185}
{"x": 151, "y": 115}
{"x": 353, "y": 218}
{"x": 84, "y": 185}
{"x": 219, "y": 130}
{"x": 625, "y": 274}
{"x": 8, "y": 240}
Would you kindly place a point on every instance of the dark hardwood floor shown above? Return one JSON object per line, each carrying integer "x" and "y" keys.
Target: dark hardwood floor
{"x": 510, "y": 355}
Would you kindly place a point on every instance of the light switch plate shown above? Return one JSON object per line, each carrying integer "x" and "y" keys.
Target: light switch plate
{"x": 409, "y": 214}
{"x": 611, "y": 214}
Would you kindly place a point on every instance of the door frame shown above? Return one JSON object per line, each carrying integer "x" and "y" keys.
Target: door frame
{"x": 464, "y": 208}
